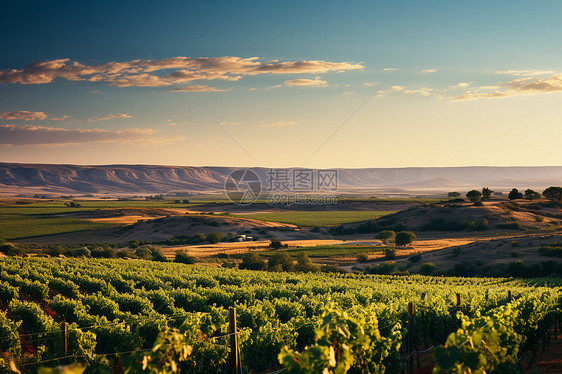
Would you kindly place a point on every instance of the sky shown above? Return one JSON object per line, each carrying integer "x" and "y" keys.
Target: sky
{"x": 319, "y": 84}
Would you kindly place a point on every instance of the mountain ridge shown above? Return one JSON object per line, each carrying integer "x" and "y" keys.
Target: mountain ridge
{"x": 148, "y": 179}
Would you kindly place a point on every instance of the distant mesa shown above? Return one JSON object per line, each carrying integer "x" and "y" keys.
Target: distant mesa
{"x": 149, "y": 179}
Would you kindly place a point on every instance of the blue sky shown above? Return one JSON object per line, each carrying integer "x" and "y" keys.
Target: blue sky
{"x": 98, "y": 83}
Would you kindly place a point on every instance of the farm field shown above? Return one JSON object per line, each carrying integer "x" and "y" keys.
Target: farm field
{"x": 116, "y": 309}
{"x": 326, "y": 251}
{"x": 17, "y": 226}
{"x": 32, "y": 218}
{"x": 318, "y": 219}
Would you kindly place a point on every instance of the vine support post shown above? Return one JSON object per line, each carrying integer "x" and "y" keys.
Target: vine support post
{"x": 410, "y": 338}
{"x": 458, "y": 308}
{"x": 64, "y": 338}
{"x": 235, "y": 363}
{"x": 509, "y": 297}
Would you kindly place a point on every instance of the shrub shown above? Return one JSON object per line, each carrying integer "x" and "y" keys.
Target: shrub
{"x": 184, "y": 258}
{"x": 427, "y": 268}
{"x": 385, "y": 235}
{"x": 510, "y": 226}
{"x": 463, "y": 269}
{"x": 362, "y": 258}
{"x": 332, "y": 269}
{"x": 81, "y": 252}
{"x": 275, "y": 244}
{"x": 415, "y": 258}
{"x": 11, "y": 250}
{"x": 143, "y": 253}
{"x": 389, "y": 253}
{"x": 304, "y": 264}
{"x": 384, "y": 268}
{"x": 280, "y": 262}
{"x": 252, "y": 261}
{"x": 214, "y": 237}
{"x": 157, "y": 254}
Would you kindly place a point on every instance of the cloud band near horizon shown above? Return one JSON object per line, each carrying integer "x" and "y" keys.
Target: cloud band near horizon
{"x": 14, "y": 135}
{"x": 165, "y": 72}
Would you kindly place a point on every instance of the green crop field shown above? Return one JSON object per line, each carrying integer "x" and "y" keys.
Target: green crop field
{"x": 23, "y": 220}
{"x": 29, "y": 225}
{"x": 56, "y": 207}
{"x": 316, "y": 219}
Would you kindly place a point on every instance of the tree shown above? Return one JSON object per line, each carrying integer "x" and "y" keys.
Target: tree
{"x": 214, "y": 237}
{"x": 280, "y": 261}
{"x": 385, "y": 235}
{"x": 474, "y": 195}
{"x": 253, "y": 261}
{"x": 486, "y": 193}
{"x": 275, "y": 244}
{"x": 532, "y": 195}
{"x": 304, "y": 264}
{"x": 514, "y": 194}
{"x": 453, "y": 194}
{"x": 404, "y": 237}
{"x": 553, "y": 193}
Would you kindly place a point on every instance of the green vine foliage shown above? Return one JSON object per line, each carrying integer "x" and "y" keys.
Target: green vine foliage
{"x": 344, "y": 344}
{"x": 484, "y": 344}
{"x": 169, "y": 352}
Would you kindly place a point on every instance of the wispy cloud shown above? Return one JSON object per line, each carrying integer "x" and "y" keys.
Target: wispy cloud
{"x": 370, "y": 84}
{"x": 516, "y": 87}
{"x": 277, "y": 124}
{"x": 43, "y": 135}
{"x": 165, "y": 72}
{"x": 199, "y": 89}
{"x": 417, "y": 90}
{"x": 427, "y": 71}
{"x": 232, "y": 123}
{"x": 316, "y": 82}
{"x": 424, "y": 91}
{"x": 61, "y": 118}
{"x": 24, "y": 115}
{"x": 462, "y": 85}
{"x": 109, "y": 116}
{"x": 390, "y": 69}
{"x": 525, "y": 73}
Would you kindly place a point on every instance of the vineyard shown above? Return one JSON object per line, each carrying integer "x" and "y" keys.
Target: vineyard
{"x": 105, "y": 314}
